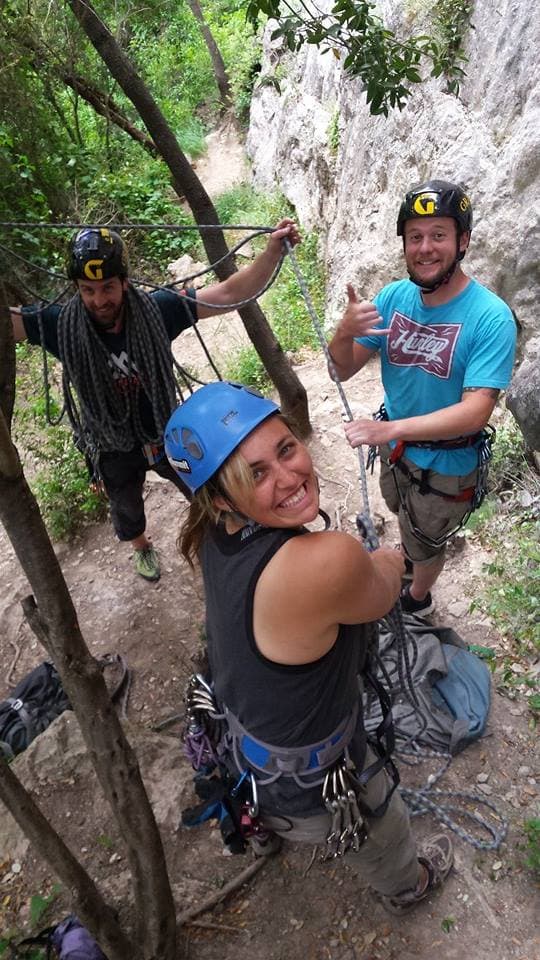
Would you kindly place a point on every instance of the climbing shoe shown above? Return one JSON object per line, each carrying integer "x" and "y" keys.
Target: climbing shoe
{"x": 421, "y": 608}
{"x": 437, "y": 856}
{"x": 146, "y": 563}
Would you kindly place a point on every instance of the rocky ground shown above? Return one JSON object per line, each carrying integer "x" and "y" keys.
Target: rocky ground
{"x": 295, "y": 908}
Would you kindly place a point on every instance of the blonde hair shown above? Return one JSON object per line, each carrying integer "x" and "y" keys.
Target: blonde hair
{"x": 233, "y": 482}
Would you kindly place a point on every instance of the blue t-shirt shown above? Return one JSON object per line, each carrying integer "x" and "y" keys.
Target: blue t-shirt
{"x": 432, "y": 353}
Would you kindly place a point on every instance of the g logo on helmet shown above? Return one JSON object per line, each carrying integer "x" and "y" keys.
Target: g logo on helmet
{"x": 425, "y": 204}
{"x": 93, "y": 269}
{"x": 464, "y": 204}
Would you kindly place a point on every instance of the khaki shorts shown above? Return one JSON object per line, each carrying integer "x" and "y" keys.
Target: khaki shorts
{"x": 431, "y": 514}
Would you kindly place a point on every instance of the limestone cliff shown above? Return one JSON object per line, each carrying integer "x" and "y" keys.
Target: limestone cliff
{"x": 312, "y": 137}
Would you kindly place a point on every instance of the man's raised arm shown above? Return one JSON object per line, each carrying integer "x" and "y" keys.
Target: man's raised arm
{"x": 247, "y": 282}
{"x": 359, "y": 320}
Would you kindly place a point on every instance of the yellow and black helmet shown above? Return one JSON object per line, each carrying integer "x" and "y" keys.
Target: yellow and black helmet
{"x": 436, "y": 198}
{"x": 97, "y": 253}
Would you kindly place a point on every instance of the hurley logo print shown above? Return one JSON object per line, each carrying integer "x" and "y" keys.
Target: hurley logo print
{"x": 431, "y": 348}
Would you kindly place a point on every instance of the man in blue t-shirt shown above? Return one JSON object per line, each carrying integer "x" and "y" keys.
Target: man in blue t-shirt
{"x": 447, "y": 347}
{"x": 114, "y": 343}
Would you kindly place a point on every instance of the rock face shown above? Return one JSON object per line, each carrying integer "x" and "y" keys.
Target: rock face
{"x": 312, "y": 136}
{"x": 57, "y": 763}
{"x": 523, "y": 397}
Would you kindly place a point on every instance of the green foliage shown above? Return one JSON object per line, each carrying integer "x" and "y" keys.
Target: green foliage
{"x": 246, "y": 366}
{"x": 141, "y": 193}
{"x": 532, "y": 832}
{"x": 34, "y": 953}
{"x": 511, "y": 596}
{"x": 509, "y": 465}
{"x": 452, "y": 20}
{"x": 240, "y": 47}
{"x": 387, "y": 65}
{"x": 510, "y": 592}
{"x": 62, "y": 487}
{"x": 71, "y": 164}
{"x": 39, "y": 904}
{"x": 508, "y": 524}
{"x": 105, "y": 841}
{"x": 283, "y": 303}
{"x": 448, "y": 924}
{"x": 58, "y": 475}
{"x": 333, "y": 133}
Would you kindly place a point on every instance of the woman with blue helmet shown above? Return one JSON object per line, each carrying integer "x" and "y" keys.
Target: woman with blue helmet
{"x": 289, "y": 616}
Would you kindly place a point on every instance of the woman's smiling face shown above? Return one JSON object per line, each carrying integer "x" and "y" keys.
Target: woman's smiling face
{"x": 285, "y": 490}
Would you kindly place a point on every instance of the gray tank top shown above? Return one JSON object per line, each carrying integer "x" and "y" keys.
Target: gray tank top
{"x": 281, "y": 704}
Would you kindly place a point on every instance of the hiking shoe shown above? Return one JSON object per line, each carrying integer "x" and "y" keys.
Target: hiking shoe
{"x": 437, "y": 857}
{"x": 146, "y": 563}
{"x": 421, "y": 608}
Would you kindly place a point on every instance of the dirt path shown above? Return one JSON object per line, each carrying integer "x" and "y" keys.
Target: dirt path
{"x": 487, "y": 909}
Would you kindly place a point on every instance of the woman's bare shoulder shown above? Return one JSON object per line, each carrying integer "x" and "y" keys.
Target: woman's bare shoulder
{"x": 320, "y": 557}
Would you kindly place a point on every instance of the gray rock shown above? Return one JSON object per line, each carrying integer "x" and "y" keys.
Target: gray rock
{"x": 59, "y": 755}
{"x": 524, "y": 393}
{"x": 345, "y": 171}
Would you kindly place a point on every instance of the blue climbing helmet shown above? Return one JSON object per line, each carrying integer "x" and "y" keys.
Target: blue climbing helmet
{"x": 209, "y": 426}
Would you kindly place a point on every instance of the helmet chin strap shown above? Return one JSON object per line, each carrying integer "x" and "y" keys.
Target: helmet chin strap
{"x": 439, "y": 283}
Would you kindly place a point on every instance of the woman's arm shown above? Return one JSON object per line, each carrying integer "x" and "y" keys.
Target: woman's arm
{"x": 316, "y": 582}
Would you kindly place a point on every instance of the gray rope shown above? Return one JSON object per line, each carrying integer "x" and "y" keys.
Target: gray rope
{"x": 364, "y": 521}
{"x": 103, "y": 418}
{"x": 172, "y": 227}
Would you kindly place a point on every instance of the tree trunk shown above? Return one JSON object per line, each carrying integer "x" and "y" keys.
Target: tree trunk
{"x": 220, "y": 73}
{"x": 106, "y": 107}
{"x": 86, "y": 900}
{"x": 113, "y": 758}
{"x": 7, "y": 360}
{"x": 186, "y": 183}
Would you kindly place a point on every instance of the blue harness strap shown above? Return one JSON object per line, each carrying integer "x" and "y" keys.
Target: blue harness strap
{"x": 288, "y": 761}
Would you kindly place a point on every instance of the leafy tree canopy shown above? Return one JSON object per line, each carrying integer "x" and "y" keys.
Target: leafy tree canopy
{"x": 387, "y": 64}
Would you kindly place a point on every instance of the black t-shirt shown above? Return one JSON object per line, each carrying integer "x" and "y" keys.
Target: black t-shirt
{"x": 177, "y": 312}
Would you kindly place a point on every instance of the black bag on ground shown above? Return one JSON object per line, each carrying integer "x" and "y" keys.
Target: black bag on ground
{"x": 35, "y": 702}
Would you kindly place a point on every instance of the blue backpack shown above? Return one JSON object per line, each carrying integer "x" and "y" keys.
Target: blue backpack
{"x": 465, "y": 693}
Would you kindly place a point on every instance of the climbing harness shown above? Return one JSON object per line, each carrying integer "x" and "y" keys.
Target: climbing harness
{"x": 482, "y": 441}
{"x": 210, "y": 735}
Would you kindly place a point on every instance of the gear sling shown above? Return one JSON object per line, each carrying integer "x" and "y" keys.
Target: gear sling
{"x": 212, "y": 735}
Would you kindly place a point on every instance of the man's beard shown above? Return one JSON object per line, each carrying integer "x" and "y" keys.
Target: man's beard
{"x": 103, "y": 324}
{"x": 440, "y": 278}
